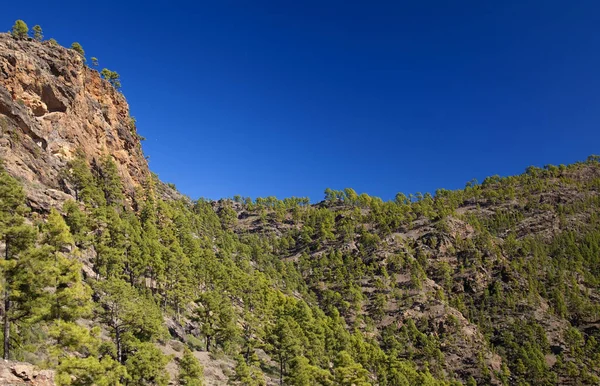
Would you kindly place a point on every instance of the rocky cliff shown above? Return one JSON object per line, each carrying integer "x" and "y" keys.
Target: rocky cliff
{"x": 51, "y": 104}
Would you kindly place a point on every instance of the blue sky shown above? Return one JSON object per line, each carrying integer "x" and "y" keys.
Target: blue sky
{"x": 287, "y": 98}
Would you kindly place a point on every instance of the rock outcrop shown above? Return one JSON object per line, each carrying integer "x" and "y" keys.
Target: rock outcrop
{"x": 24, "y": 374}
{"x": 52, "y": 104}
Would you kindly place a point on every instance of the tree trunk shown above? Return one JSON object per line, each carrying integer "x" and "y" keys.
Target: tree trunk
{"x": 118, "y": 341}
{"x": 281, "y": 372}
{"x": 6, "y": 319}
{"x": 129, "y": 269}
{"x": 56, "y": 287}
{"x": 6, "y": 325}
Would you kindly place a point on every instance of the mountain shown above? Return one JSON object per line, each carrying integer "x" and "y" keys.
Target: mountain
{"x": 113, "y": 278}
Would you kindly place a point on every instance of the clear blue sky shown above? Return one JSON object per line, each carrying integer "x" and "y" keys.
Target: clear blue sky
{"x": 287, "y": 98}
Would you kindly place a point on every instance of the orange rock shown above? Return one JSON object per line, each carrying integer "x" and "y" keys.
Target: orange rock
{"x": 51, "y": 104}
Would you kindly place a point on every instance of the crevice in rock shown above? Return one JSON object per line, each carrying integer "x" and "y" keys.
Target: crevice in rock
{"x": 53, "y": 103}
{"x": 14, "y": 112}
{"x": 54, "y": 70}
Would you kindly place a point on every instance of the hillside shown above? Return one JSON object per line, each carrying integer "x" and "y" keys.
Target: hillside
{"x": 113, "y": 278}
{"x": 501, "y": 277}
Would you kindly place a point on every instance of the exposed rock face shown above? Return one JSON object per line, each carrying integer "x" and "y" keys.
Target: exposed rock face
{"x": 22, "y": 374}
{"x": 51, "y": 104}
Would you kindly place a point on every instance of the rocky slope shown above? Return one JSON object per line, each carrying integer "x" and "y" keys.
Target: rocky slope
{"x": 474, "y": 270}
{"x": 52, "y": 104}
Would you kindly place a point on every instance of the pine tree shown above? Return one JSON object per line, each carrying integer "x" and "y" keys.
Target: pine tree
{"x": 12, "y": 201}
{"x": 216, "y": 318}
{"x": 302, "y": 373}
{"x": 110, "y": 181}
{"x": 27, "y": 278}
{"x": 20, "y": 30}
{"x": 17, "y": 238}
{"x": 76, "y": 219}
{"x": 242, "y": 370}
{"x": 82, "y": 179}
{"x": 248, "y": 374}
{"x": 37, "y": 33}
{"x": 72, "y": 297}
{"x": 112, "y": 77}
{"x": 146, "y": 366}
{"x": 285, "y": 343}
{"x": 76, "y": 371}
{"x": 127, "y": 314}
{"x": 191, "y": 372}
{"x": 349, "y": 373}
{"x": 78, "y": 48}
{"x": 57, "y": 233}
{"x": 79, "y": 356}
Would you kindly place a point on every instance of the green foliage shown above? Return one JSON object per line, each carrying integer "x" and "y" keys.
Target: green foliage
{"x": 110, "y": 181}
{"x": 94, "y": 61}
{"x": 146, "y": 366}
{"x": 79, "y": 357}
{"x": 22, "y": 292}
{"x": 191, "y": 372}
{"x": 78, "y": 48}
{"x": 248, "y": 374}
{"x": 216, "y": 319}
{"x": 19, "y": 30}
{"x": 349, "y": 373}
{"x": 112, "y": 77}
{"x": 131, "y": 317}
{"x": 352, "y": 291}
{"x": 74, "y": 371}
{"x": 76, "y": 220}
{"x": 71, "y": 296}
{"x": 302, "y": 373}
{"x": 57, "y": 232}
{"x": 83, "y": 181}
{"x": 228, "y": 217}
{"x": 37, "y": 33}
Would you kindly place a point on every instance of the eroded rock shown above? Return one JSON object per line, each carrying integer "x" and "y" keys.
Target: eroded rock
{"x": 52, "y": 104}
{"x": 24, "y": 374}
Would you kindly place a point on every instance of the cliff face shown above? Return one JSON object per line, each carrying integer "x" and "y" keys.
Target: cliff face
{"x": 52, "y": 104}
